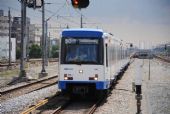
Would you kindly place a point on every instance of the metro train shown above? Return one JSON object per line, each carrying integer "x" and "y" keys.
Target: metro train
{"x": 90, "y": 60}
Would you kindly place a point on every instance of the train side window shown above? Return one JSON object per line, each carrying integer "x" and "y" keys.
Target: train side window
{"x": 106, "y": 55}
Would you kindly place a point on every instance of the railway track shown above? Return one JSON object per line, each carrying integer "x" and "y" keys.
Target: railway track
{"x": 27, "y": 88}
{"x": 30, "y": 61}
{"x": 87, "y": 108}
{"x": 162, "y": 58}
{"x": 66, "y": 105}
{"x": 47, "y": 105}
{"x": 90, "y": 109}
{"x": 94, "y": 107}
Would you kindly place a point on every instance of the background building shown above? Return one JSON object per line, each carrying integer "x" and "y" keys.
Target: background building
{"x": 16, "y": 29}
{"x": 36, "y": 34}
{"x": 4, "y": 25}
{"x": 1, "y": 12}
{"x": 4, "y": 39}
{"x": 4, "y": 49}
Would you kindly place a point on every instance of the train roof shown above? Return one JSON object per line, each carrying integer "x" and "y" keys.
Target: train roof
{"x": 82, "y": 32}
{"x": 113, "y": 37}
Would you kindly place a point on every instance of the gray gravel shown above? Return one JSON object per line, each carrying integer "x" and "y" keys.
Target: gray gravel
{"x": 32, "y": 73}
{"x": 4, "y": 81}
{"x": 121, "y": 98}
{"x": 16, "y": 105}
{"x": 158, "y": 88}
{"x": 155, "y": 92}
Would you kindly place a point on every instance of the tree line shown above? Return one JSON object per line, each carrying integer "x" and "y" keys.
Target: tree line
{"x": 35, "y": 51}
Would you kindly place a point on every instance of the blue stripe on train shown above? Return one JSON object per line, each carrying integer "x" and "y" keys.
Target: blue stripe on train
{"x": 100, "y": 85}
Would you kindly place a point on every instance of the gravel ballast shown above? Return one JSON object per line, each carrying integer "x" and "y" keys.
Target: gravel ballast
{"x": 16, "y": 105}
{"x": 155, "y": 92}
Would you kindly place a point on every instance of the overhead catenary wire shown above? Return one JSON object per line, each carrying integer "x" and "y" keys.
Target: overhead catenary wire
{"x": 57, "y": 11}
{"x": 79, "y": 12}
{"x": 56, "y": 14}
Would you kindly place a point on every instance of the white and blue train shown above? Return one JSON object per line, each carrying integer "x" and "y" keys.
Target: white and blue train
{"x": 90, "y": 60}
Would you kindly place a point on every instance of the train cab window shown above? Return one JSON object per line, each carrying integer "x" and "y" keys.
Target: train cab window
{"x": 81, "y": 51}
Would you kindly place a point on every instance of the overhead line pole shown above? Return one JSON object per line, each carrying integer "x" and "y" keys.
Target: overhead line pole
{"x": 28, "y": 43}
{"x": 23, "y": 30}
{"x": 43, "y": 71}
{"x": 43, "y": 39}
{"x": 9, "y": 16}
{"x": 46, "y": 42}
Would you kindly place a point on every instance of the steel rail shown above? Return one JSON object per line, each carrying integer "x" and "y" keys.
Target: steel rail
{"x": 3, "y": 92}
{"x": 39, "y": 104}
{"x": 61, "y": 108}
{"x": 94, "y": 107}
{"x": 163, "y": 59}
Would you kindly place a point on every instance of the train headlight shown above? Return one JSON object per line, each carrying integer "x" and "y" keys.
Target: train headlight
{"x": 96, "y": 77}
{"x": 80, "y": 71}
{"x": 68, "y": 77}
{"x": 65, "y": 77}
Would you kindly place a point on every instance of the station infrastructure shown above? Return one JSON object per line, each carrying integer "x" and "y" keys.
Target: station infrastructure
{"x": 35, "y": 70}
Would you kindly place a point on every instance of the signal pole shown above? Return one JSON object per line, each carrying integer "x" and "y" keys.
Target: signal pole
{"x": 46, "y": 43}
{"x": 9, "y": 16}
{"x": 28, "y": 43}
{"x": 43, "y": 71}
{"x": 81, "y": 21}
{"x": 43, "y": 39}
{"x": 23, "y": 35}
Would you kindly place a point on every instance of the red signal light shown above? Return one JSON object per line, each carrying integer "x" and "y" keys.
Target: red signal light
{"x": 80, "y": 3}
{"x": 76, "y": 2}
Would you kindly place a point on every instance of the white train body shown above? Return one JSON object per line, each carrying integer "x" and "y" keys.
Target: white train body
{"x": 104, "y": 59}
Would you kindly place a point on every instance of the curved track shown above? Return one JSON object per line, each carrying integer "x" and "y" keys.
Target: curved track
{"x": 27, "y": 88}
{"x": 163, "y": 58}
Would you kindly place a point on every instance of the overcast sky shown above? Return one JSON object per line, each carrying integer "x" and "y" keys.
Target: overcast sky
{"x": 135, "y": 21}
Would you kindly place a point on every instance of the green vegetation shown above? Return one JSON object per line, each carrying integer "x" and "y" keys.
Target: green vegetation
{"x": 9, "y": 73}
{"x": 54, "y": 51}
{"x": 18, "y": 53}
{"x": 35, "y": 51}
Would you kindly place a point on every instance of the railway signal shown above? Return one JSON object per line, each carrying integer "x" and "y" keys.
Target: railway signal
{"x": 34, "y": 3}
{"x": 80, "y": 3}
{"x": 165, "y": 47}
{"x": 138, "y": 85}
{"x": 131, "y": 45}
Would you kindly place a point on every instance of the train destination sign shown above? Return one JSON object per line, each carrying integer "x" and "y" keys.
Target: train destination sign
{"x": 81, "y": 41}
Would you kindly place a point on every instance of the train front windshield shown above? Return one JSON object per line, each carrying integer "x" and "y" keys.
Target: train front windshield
{"x": 81, "y": 51}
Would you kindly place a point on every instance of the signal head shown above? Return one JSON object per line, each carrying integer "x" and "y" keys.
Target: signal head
{"x": 80, "y": 3}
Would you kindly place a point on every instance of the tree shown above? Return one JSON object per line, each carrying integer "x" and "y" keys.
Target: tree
{"x": 54, "y": 51}
{"x": 35, "y": 51}
{"x": 18, "y": 53}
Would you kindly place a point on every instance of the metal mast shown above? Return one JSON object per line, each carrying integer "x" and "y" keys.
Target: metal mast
{"x": 23, "y": 30}
{"x": 9, "y": 16}
{"x": 43, "y": 72}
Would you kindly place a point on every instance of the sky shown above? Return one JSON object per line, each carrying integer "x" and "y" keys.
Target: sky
{"x": 134, "y": 21}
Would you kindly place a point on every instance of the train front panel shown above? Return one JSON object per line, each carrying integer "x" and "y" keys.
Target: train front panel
{"x": 82, "y": 61}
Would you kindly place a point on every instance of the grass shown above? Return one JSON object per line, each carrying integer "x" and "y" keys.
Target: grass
{"x": 9, "y": 73}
